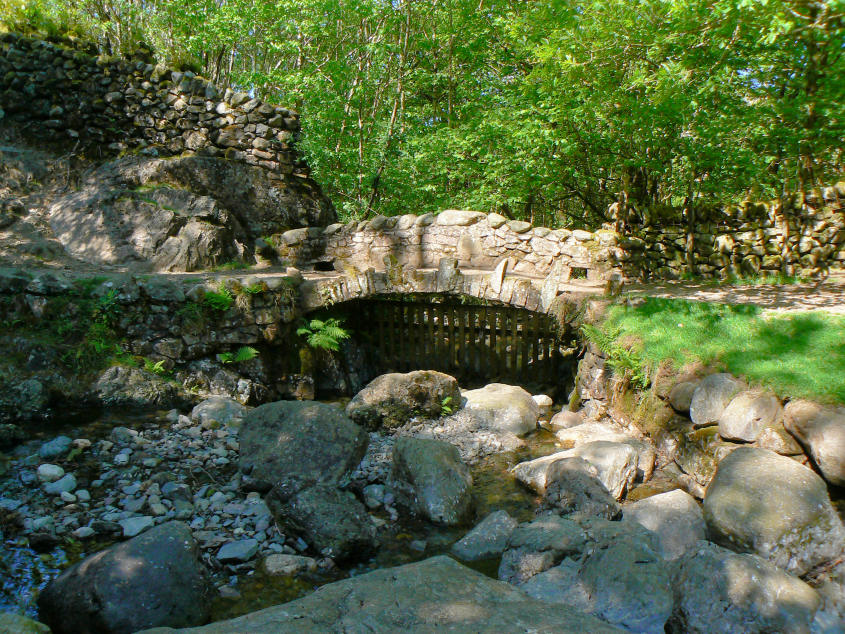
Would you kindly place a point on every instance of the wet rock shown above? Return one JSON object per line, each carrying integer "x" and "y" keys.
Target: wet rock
{"x": 615, "y": 463}
{"x": 748, "y": 414}
{"x": 391, "y": 400}
{"x": 711, "y": 397}
{"x": 294, "y": 444}
{"x": 821, "y": 431}
{"x": 120, "y": 386}
{"x": 43, "y": 541}
{"x": 333, "y": 522}
{"x": 545, "y": 404}
{"x": 155, "y": 579}
{"x": 717, "y": 590}
{"x": 288, "y": 565}
{"x": 219, "y": 409}
{"x": 674, "y": 517}
{"x": 538, "y": 545}
{"x": 767, "y": 504}
{"x": 488, "y": 539}
{"x": 55, "y": 448}
{"x": 432, "y": 480}
{"x": 503, "y": 408}
{"x": 237, "y": 552}
{"x": 427, "y": 596}
{"x": 613, "y": 572}
{"x": 573, "y": 486}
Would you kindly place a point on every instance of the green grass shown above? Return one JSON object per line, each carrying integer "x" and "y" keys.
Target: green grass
{"x": 770, "y": 279}
{"x": 798, "y": 355}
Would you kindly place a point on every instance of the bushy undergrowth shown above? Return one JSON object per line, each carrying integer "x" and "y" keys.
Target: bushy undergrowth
{"x": 797, "y": 355}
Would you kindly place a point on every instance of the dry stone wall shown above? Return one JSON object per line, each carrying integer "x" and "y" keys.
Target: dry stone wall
{"x": 135, "y": 103}
{"x": 755, "y": 238}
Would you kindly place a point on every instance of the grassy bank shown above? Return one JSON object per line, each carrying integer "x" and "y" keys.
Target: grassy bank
{"x": 797, "y": 355}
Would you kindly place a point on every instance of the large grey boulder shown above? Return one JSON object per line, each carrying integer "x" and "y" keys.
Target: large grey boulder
{"x": 615, "y": 573}
{"x": 503, "y": 408}
{"x": 122, "y": 386}
{"x": 391, "y": 400}
{"x": 674, "y": 517}
{"x": 748, "y": 414}
{"x": 433, "y": 595}
{"x": 295, "y": 444}
{"x": 711, "y": 397}
{"x": 717, "y": 590}
{"x": 155, "y": 579}
{"x": 821, "y": 431}
{"x": 680, "y": 396}
{"x": 573, "y": 486}
{"x": 488, "y": 539}
{"x": 333, "y": 522}
{"x": 767, "y": 504}
{"x": 615, "y": 464}
{"x": 538, "y": 545}
{"x": 593, "y": 431}
{"x": 431, "y": 479}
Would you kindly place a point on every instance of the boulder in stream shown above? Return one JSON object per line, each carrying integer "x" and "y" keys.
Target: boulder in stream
{"x": 155, "y": 579}
{"x": 503, "y": 408}
{"x": 431, "y": 479}
{"x": 770, "y": 505}
{"x": 674, "y": 517}
{"x": 488, "y": 539}
{"x": 296, "y": 444}
{"x": 391, "y": 400}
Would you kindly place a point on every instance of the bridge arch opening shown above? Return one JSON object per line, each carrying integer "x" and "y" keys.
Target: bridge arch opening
{"x": 476, "y": 341}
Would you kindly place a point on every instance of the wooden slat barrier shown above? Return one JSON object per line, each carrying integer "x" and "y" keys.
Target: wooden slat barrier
{"x": 473, "y": 343}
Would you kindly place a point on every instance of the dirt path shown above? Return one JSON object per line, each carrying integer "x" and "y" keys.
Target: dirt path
{"x": 827, "y": 295}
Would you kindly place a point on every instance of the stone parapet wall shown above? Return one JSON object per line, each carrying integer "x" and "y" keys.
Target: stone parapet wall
{"x": 137, "y": 104}
{"x": 476, "y": 240}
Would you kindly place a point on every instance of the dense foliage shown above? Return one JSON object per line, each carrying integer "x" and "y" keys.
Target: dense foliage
{"x": 549, "y": 111}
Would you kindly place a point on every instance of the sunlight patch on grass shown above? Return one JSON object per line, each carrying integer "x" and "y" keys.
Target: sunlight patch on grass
{"x": 798, "y": 355}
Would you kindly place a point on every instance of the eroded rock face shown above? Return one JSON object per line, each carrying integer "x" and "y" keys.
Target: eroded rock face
{"x": 155, "y": 579}
{"x": 180, "y": 214}
{"x": 711, "y": 397}
{"x": 391, "y": 400}
{"x": 296, "y": 444}
{"x": 432, "y": 480}
{"x": 821, "y": 431}
{"x": 333, "y": 522}
{"x": 717, "y": 590}
{"x": 767, "y": 504}
{"x": 504, "y": 408}
{"x": 428, "y": 596}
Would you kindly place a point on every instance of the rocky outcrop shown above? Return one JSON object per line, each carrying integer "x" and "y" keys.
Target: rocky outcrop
{"x": 293, "y": 445}
{"x": 155, "y": 579}
{"x": 391, "y": 400}
{"x": 821, "y": 431}
{"x": 503, "y": 408}
{"x": 717, "y": 590}
{"x": 427, "y": 596}
{"x": 769, "y": 505}
{"x": 432, "y": 480}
